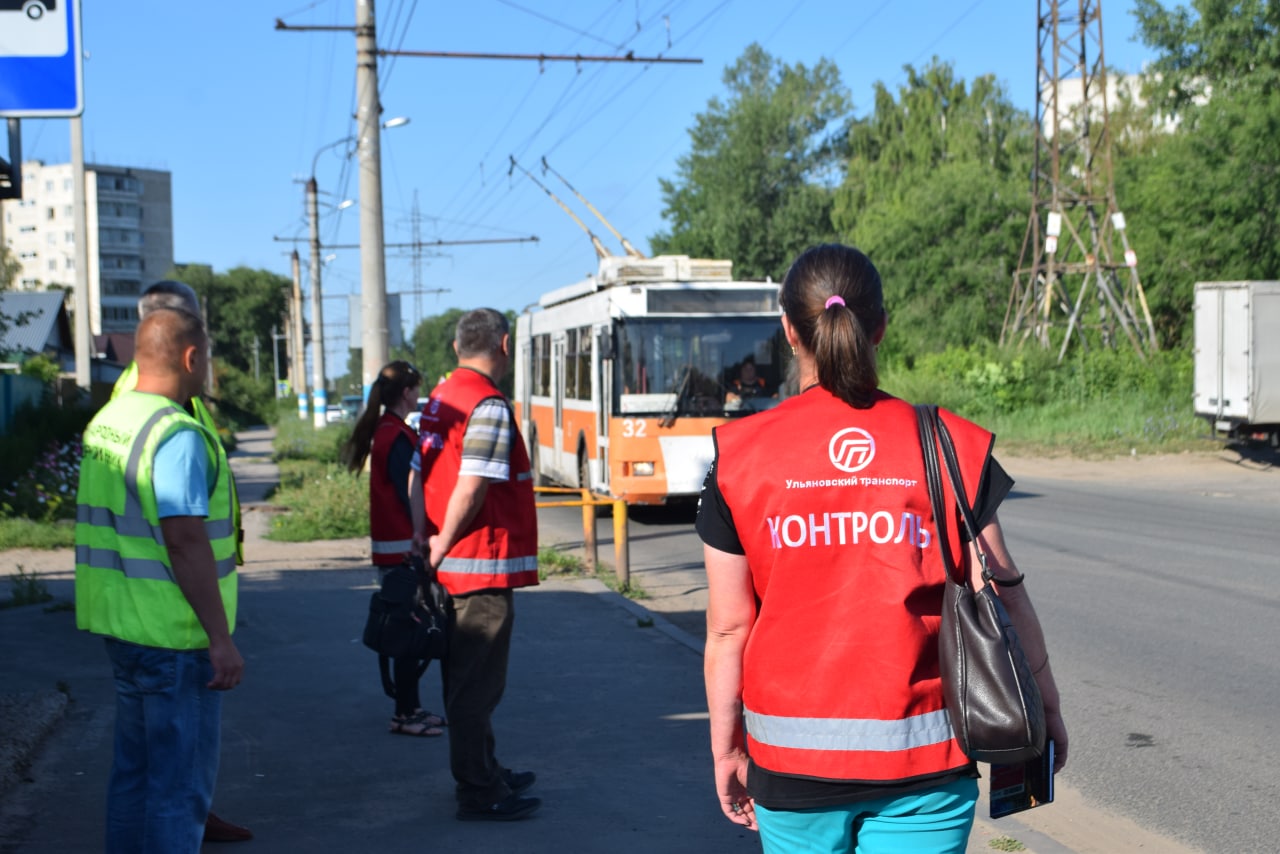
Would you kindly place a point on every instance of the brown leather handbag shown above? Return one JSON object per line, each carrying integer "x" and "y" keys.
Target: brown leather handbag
{"x": 991, "y": 694}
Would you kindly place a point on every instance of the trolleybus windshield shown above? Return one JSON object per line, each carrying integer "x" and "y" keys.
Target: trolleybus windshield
{"x": 699, "y": 366}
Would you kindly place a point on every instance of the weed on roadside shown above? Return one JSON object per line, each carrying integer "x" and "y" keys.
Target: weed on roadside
{"x": 28, "y": 589}
{"x": 1007, "y": 843}
{"x": 553, "y": 563}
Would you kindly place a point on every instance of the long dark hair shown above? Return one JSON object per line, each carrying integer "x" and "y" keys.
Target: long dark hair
{"x": 833, "y": 298}
{"x": 392, "y": 380}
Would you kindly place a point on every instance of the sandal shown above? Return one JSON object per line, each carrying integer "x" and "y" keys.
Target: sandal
{"x": 415, "y": 725}
{"x": 428, "y": 718}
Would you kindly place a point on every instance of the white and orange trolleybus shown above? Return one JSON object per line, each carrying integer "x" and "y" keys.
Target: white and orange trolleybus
{"x": 620, "y": 378}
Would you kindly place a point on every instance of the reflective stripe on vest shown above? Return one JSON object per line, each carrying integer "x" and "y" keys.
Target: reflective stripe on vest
{"x": 849, "y": 733}
{"x": 391, "y": 547}
{"x": 482, "y": 566}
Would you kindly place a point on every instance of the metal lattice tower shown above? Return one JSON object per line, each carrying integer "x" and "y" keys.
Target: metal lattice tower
{"x": 1077, "y": 277}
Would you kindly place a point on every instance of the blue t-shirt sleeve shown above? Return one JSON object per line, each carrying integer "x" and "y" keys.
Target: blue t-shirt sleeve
{"x": 180, "y": 475}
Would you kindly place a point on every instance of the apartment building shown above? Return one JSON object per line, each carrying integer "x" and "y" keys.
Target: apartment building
{"x": 130, "y": 235}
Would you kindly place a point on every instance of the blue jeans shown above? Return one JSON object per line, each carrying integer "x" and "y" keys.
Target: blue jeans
{"x": 929, "y": 821}
{"x": 168, "y": 727}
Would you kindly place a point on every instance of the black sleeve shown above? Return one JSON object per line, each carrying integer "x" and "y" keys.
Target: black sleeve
{"x": 715, "y": 522}
{"x": 992, "y": 491}
{"x": 399, "y": 462}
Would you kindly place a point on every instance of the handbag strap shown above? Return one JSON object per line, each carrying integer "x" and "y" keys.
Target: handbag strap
{"x": 934, "y": 433}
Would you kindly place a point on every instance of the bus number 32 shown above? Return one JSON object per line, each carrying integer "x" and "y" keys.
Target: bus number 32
{"x": 633, "y": 427}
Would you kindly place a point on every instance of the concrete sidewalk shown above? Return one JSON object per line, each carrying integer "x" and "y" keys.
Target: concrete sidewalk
{"x": 605, "y": 701}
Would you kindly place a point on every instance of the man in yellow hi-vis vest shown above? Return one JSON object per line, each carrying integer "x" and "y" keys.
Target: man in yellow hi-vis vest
{"x": 155, "y": 575}
{"x": 181, "y": 297}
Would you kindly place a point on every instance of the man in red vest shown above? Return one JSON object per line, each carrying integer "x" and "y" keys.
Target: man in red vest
{"x": 475, "y": 520}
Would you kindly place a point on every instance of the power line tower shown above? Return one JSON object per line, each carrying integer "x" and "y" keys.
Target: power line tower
{"x": 1077, "y": 277}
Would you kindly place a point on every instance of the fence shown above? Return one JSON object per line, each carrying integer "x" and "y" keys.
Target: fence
{"x": 621, "y": 539}
{"x": 15, "y": 391}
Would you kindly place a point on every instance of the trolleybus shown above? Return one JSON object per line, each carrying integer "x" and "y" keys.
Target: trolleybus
{"x": 620, "y": 378}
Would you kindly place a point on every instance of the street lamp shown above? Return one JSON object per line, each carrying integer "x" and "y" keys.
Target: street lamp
{"x": 318, "y": 373}
{"x": 319, "y": 396}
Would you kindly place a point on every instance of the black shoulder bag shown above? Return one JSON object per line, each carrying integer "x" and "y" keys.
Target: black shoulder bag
{"x": 992, "y": 697}
{"x": 409, "y": 618}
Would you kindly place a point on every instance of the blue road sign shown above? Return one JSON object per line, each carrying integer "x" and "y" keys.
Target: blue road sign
{"x": 41, "y": 73}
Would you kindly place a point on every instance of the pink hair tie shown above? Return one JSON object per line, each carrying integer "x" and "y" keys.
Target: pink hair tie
{"x": 834, "y": 299}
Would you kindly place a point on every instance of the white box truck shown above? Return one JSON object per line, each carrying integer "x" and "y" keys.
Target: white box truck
{"x": 1237, "y": 358}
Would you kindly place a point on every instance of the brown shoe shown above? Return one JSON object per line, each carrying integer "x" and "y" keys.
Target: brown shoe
{"x": 221, "y": 830}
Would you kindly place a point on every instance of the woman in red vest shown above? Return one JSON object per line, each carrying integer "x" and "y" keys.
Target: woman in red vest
{"x": 828, "y": 726}
{"x": 383, "y": 438}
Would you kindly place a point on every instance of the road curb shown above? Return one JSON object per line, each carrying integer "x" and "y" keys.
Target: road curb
{"x": 26, "y": 719}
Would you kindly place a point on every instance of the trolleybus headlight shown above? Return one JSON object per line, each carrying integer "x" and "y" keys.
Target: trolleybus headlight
{"x": 642, "y": 469}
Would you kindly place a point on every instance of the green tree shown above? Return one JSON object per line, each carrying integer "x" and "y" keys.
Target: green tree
{"x": 241, "y": 307}
{"x": 754, "y": 187}
{"x": 1210, "y": 49}
{"x": 1202, "y": 192}
{"x": 936, "y": 194}
{"x": 433, "y": 346}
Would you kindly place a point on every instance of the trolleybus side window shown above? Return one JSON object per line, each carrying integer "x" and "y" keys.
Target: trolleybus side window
{"x": 542, "y": 365}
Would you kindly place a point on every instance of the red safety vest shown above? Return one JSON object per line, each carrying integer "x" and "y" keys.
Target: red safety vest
{"x": 840, "y": 674}
{"x": 390, "y": 525}
{"x": 499, "y": 549}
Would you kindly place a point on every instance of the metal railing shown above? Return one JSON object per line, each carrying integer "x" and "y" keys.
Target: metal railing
{"x": 589, "y": 502}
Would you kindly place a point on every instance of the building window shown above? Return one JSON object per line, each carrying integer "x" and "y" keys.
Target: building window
{"x": 48, "y": 186}
{"x": 68, "y": 211}
{"x": 50, "y": 213}
{"x": 66, "y": 183}
{"x": 71, "y": 264}
{"x": 53, "y": 265}
{"x": 51, "y": 239}
{"x": 69, "y": 237}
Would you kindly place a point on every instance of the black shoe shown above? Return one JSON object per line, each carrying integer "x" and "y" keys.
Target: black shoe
{"x": 510, "y": 808}
{"x": 519, "y": 782}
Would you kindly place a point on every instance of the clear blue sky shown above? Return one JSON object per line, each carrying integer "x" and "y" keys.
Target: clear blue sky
{"x": 237, "y": 110}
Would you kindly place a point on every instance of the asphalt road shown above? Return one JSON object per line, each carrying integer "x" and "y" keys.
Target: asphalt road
{"x": 1160, "y": 603}
{"x": 1159, "y": 598}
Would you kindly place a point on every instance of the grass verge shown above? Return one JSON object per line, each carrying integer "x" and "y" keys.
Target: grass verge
{"x": 19, "y": 533}
{"x": 324, "y": 500}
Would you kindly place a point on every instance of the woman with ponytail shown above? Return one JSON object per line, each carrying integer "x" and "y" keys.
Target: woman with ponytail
{"x": 829, "y": 730}
{"x": 382, "y": 437}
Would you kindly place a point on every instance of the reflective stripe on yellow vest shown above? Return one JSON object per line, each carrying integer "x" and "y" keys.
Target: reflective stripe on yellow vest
{"x": 125, "y": 586}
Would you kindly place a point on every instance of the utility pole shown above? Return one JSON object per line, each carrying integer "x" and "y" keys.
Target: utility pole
{"x": 318, "y": 394}
{"x": 80, "y": 220}
{"x": 373, "y": 264}
{"x": 373, "y": 277}
{"x": 296, "y": 340}
{"x": 1073, "y": 265}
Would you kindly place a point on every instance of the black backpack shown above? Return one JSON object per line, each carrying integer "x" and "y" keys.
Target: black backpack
{"x": 409, "y": 617}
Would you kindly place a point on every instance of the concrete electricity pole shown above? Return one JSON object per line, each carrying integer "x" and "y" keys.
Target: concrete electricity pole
{"x": 296, "y": 337}
{"x": 319, "y": 400}
{"x": 80, "y": 217}
{"x": 373, "y": 266}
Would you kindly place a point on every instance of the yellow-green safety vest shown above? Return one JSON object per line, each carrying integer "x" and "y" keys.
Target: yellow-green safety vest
{"x": 128, "y": 380}
{"x": 125, "y": 587}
